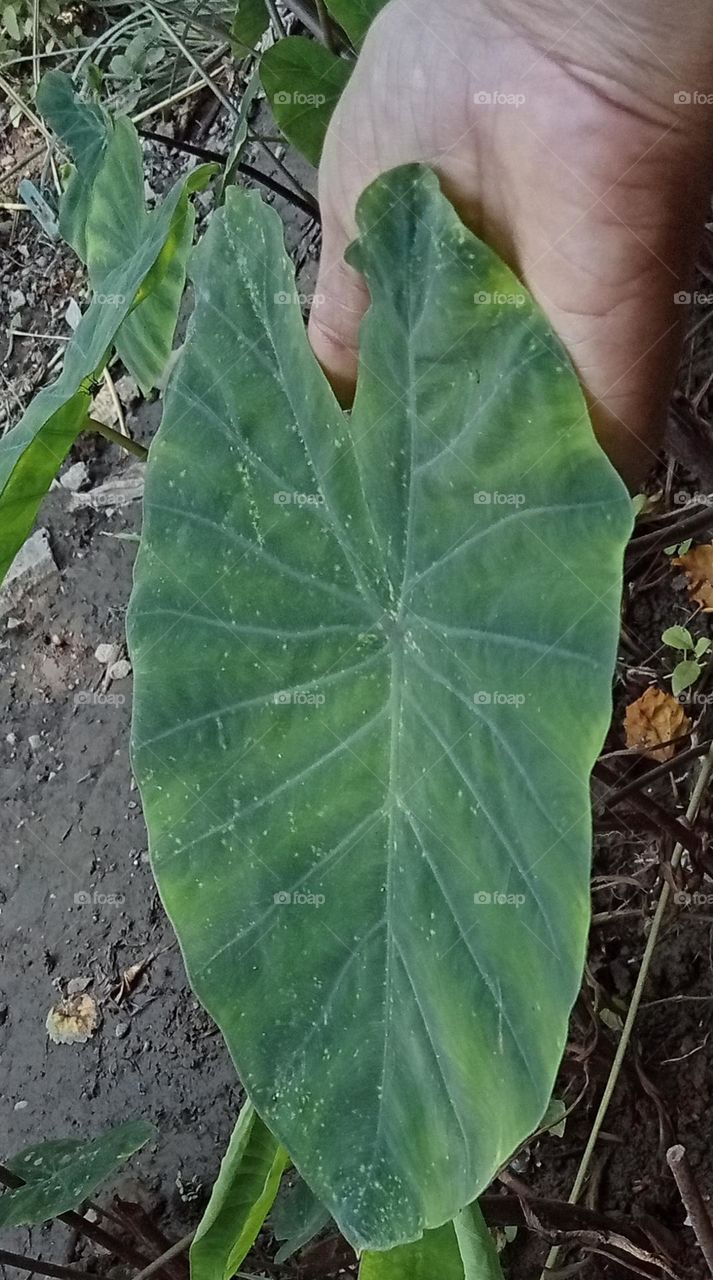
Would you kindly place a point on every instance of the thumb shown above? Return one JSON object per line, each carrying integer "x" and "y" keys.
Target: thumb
{"x": 340, "y": 300}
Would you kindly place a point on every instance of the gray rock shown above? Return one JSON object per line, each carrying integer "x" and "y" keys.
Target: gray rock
{"x": 33, "y": 564}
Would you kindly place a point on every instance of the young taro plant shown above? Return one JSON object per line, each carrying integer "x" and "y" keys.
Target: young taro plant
{"x": 372, "y": 654}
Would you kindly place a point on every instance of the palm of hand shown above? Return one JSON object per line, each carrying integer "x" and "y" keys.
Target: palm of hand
{"x": 587, "y": 189}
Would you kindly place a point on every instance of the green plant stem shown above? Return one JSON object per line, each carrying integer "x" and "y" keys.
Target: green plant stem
{"x": 326, "y": 27}
{"x": 36, "y": 1266}
{"x": 691, "y": 812}
{"x": 124, "y": 442}
{"x": 275, "y": 18}
{"x": 477, "y": 1247}
{"x": 306, "y": 15}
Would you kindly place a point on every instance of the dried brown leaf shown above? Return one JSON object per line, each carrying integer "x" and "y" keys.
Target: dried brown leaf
{"x": 655, "y": 718}
{"x": 74, "y": 1020}
{"x": 697, "y": 564}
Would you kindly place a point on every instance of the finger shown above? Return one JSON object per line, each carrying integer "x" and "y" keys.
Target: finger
{"x": 340, "y": 300}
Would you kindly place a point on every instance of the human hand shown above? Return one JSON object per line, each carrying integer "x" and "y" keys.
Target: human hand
{"x": 588, "y": 170}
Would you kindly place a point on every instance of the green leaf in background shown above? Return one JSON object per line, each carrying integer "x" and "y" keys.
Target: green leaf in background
{"x": 684, "y": 675}
{"x": 34, "y": 450}
{"x": 368, "y": 798}
{"x": 59, "y": 1175}
{"x": 355, "y": 16}
{"x": 298, "y": 1216}
{"x": 250, "y": 22}
{"x": 85, "y": 130}
{"x": 241, "y": 1199}
{"x": 110, "y": 218}
{"x": 477, "y": 1248}
{"x": 677, "y": 638}
{"x": 435, "y": 1256}
{"x": 303, "y": 82}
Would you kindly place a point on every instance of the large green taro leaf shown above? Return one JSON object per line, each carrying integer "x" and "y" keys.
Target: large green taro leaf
{"x": 57, "y": 1176}
{"x": 372, "y": 660}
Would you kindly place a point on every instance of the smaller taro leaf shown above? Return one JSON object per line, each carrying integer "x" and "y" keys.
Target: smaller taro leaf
{"x": 114, "y": 220}
{"x": 435, "y": 1256}
{"x": 298, "y": 1216}
{"x": 304, "y": 83}
{"x": 32, "y": 453}
{"x": 241, "y": 1199}
{"x": 57, "y": 1176}
{"x": 355, "y": 16}
{"x": 250, "y": 22}
{"x": 702, "y": 646}
{"x": 364, "y": 754}
{"x": 477, "y": 1247}
{"x": 85, "y": 129}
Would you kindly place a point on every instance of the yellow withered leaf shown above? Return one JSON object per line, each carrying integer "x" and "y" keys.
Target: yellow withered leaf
{"x": 655, "y": 719}
{"x": 697, "y": 564}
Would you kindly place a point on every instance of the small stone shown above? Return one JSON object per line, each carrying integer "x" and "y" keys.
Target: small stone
{"x": 20, "y": 1106}
{"x": 11, "y": 738}
{"x": 107, "y": 653}
{"x": 35, "y": 741}
{"x": 115, "y": 492}
{"x": 103, "y": 407}
{"x": 75, "y": 477}
{"x": 126, "y": 389}
{"x": 121, "y": 1029}
{"x": 33, "y": 564}
{"x": 55, "y": 640}
{"x": 17, "y": 300}
{"x": 120, "y": 670}
{"x": 73, "y": 314}
{"x": 13, "y": 623}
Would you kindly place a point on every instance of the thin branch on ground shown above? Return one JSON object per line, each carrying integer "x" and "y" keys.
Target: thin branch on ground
{"x": 36, "y": 1266}
{"x": 691, "y": 814}
{"x": 205, "y": 76}
{"x": 308, "y": 206}
{"x": 689, "y": 1191}
{"x": 179, "y": 1247}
